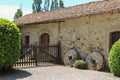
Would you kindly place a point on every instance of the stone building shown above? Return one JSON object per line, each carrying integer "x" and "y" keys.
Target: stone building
{"x": 85, "y": 27}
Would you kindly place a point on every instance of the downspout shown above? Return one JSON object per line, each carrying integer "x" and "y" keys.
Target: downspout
{"x": 59, "y": 31}
{"x": 89, "y": 26}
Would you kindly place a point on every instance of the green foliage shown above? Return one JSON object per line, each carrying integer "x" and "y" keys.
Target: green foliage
{"x": 46, "y": 5}
{"x": 52, "y": 5}
{"x": 55, "y": 4}
{"x": 61, "y": 4}
{"x": 36, "y": 6}
{"x": 114, "y": 58}
{"x": 18, "y": 14}
{"x": 9, "y": 43}
{"x": 80, "y": 64}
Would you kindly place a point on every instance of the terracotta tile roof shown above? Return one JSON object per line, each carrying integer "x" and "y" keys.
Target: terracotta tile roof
{"x": 87, "y": 9}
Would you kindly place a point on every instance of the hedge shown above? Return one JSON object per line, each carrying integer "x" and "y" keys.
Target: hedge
{"x": 10, "y": 40}
{"x": 114, "y": 59}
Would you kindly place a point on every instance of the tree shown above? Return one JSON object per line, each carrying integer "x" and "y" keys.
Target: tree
{"x": 46, "y": 5}
{"x": 18, "y": 14}
{"x": 61, "y": 4}
{"x": 36, "y": 6}
{"x": 52, "y": 5}
{"x": 55, "y": 4}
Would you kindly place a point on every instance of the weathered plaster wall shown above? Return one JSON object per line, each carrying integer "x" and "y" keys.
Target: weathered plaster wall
{"x": 35, "y": 32}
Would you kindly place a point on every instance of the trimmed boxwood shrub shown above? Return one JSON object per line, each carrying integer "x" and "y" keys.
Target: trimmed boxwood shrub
{"x": 114, "y": 58}
{"x": 9, "y": 43}
{"x": 80, "y": 64}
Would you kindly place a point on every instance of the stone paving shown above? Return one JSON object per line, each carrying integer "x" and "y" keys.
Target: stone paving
{"x": 58, "y": 73}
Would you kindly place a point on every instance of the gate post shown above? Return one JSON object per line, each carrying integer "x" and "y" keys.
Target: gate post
{"x": 36, "y": 59}
{"x": 59, "y": 52}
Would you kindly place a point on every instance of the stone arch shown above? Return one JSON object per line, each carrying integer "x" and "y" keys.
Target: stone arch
{"x": 45, "y": 39}
{"x": 44, "y": 32}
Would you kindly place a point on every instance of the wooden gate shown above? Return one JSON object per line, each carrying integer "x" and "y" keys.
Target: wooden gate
{"x": 37, "y": 55}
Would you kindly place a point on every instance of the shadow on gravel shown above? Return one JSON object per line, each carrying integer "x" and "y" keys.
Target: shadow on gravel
{"x": 14, "y": 74}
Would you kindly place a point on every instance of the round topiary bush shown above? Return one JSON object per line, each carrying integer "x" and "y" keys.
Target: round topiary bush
{"x": 9, "y": 43}
{"x": 80, "y": 64}
{"x": 114, "y": 58}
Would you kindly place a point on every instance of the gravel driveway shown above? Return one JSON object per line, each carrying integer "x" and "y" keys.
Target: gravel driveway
{"x": 58, "y": 73}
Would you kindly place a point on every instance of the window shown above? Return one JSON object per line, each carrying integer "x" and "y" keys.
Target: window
{"x": 114, "y": 36}
{"x": 27, "y": 40}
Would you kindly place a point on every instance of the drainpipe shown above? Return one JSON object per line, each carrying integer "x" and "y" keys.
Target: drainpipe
{"x": 59, "y": 31}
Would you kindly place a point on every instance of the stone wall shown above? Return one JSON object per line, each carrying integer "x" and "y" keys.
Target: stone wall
{"x": 83, "y": 34}
{"x": 89, "y": 33}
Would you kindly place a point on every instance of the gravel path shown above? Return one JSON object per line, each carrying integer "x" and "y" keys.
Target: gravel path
{"x": 58, "y": 73}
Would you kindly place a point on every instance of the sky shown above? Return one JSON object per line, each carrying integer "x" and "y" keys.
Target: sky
{"x": 8, "y": 8}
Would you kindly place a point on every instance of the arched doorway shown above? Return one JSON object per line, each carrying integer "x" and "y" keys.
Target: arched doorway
{"x": 45, "y": 38}
{"x": 114, "y": 37}
{"x": 44, "y": 47}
